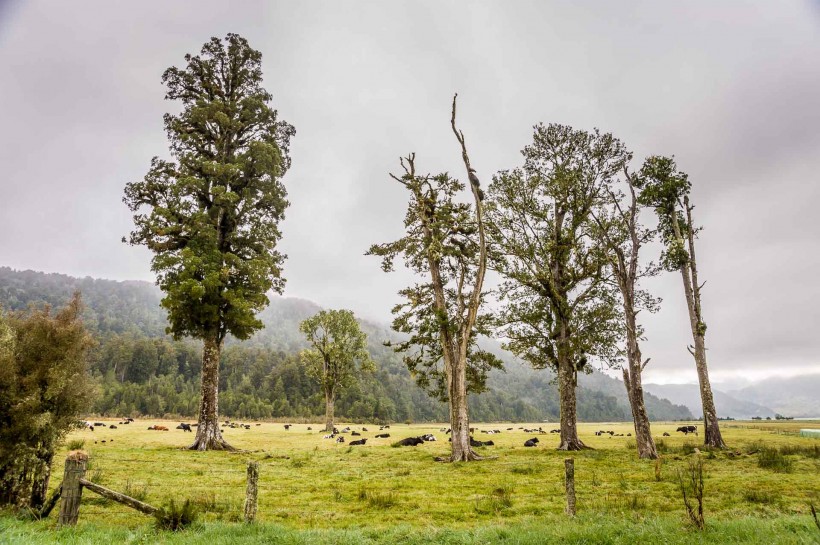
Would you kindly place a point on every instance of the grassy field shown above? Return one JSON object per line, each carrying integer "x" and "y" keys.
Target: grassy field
{"x": 313, "y": 490}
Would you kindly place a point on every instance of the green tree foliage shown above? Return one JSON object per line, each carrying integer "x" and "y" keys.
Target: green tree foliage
{"x": 560, "y": 311}
{"x": 337, "y": 353}
{"x": 445, "y": 244}
{"x": 211, "y": 216}
{"x": 44, "y": 388}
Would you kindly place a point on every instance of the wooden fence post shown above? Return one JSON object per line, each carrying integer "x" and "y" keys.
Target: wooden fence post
{"x": 252, "y": 491}
{"x": 569, "y": 466}
{"x": 75, "y": 464}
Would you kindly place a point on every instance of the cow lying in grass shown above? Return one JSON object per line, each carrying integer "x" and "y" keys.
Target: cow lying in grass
{"x": 158, "y": 428}
{"x": 531, "y": 442}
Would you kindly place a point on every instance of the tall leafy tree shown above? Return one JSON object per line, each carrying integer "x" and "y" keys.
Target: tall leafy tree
{"x": 44, "y": 387}
{"x": 560, "y": 311}
{"x": 666, "y": 189}
{"x": 445, "y": 243}
{"x": 211, "y": 215}
{"x": 623, "y": 235}
{"x": 338, "y": 350}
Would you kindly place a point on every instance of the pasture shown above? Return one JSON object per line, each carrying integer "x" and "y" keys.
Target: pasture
{"x": 317, "y": 489}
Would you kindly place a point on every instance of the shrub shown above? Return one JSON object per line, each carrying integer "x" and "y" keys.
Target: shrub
{"x": 173, "y": 517}
{"x": 760, "y": 496}
{"x": 692, "y": 489}
{"x": 75, "y": 444}
{"x": 772, "y": 458}
{"x": 499, "y": 500}
{"x": 135, "y": 491}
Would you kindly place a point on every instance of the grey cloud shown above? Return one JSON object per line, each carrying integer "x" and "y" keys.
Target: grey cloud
{"x": 730, "y": 91}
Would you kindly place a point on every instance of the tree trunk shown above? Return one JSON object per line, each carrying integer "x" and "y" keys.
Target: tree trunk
{"x": 42, "y": 473}
{"x": 712, "y": 436}
{"x": 459, "y": 418}
{"x": 689, "y": 272}
{"x": 634, "y": 389}
{"x": 567, "y": 383}
{"x": 208, "y": 435}
{"x": 330, "y": 403}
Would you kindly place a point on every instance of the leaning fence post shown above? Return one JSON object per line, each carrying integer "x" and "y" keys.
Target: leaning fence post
{"x": 569, "y": 466}
{"x": 252, "y": 491}
{"x": 75, "y": 464}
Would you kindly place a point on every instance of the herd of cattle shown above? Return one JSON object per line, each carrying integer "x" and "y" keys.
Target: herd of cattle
{"x": 338, "y": 435}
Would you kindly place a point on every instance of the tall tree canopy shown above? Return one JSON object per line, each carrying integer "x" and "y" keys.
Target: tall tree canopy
{"x": 44, "y": 387}
{"x": 445, "y": 244}
{"x": 211, "y": 215}
{"x": 337, "y": 345}
{"x": 559, "y": 308}
{"x": 666, "y": 189}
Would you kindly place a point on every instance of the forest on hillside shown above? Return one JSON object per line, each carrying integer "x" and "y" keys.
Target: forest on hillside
{"x": 139, "y": 370}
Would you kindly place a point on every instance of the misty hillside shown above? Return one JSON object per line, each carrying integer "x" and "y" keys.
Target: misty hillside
{"x": 792, "y": 396}
{"x": 727, "y": 405}
{"x": 143, "y": 370}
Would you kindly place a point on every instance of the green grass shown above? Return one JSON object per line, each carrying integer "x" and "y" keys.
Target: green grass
{"x": 311, "y": 488}
{"x": 583, "y": 530}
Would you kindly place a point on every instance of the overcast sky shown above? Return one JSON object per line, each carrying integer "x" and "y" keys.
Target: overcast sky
{"x": 733, "y": 91}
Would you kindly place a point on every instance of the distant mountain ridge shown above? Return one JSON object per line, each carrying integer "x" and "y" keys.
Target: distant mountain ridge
{"x": 131, "y": 309}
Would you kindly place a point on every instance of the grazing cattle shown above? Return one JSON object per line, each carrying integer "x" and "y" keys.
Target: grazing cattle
{"x": 158, "y": 428}
{"x": 287, "y": 426}
{"x": 686, "y": 430}
{"x": 357, "y": 442}
{"x": 629, "y": 435}
{"x": 509, "y": 429}
{"x": 666, "y": 434}
{"x": 329, "y": 436}
{"x": 531, "y": 442}
{"x": 364, "y": 429}
{"x": 355, "y": 433}
{"x": 99, "y": 424}
{"x": 340, "y": 439}
{"x": 112, "y": 427}
{"x": 309, "y": 428}
{"x": 428, "y": 437}
{"x": 335, "y": 431}
{"x": 409, "y": 442}
{"x": 477, "y": 443}
{"x": 257, "y": 424}
{"x": 555, "y": 431}
{"x": 184, "y": 427}
{"x": 382, "y": 436}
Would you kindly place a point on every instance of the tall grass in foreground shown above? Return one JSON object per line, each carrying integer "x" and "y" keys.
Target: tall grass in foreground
{"x": 612, "y": 529}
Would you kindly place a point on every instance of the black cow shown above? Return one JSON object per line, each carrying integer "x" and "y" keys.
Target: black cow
{"x": 287, "y": 426}
{"x": 477, "y": 443}
{"x": 309, "y": 428}
{"x": 428, "y": 437}
{"x": 409, "y": 442}
{"x": 686, "y": 430}
{"x": 99, "y": 424}
{"x": 382, "y": 436}
{"x": 358, "y": 442}
{"x": 666, "y": 434}
{"x": 531, "y": 442}
{"x": 184, "y": 427}
{"x": 364, "y": 429}
{"x": 340, "y": 439}
{"x": 112, "y": 427}
{"x": 355, "y": 433}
